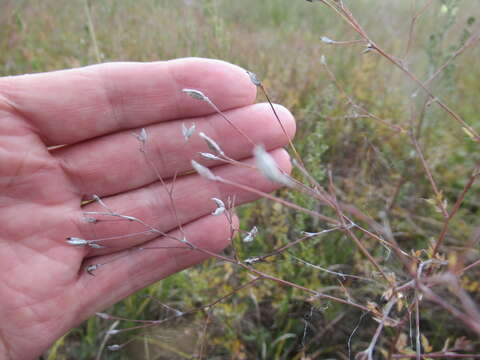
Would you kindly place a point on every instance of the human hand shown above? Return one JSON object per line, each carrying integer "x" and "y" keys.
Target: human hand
{"x": 93, "y": 111}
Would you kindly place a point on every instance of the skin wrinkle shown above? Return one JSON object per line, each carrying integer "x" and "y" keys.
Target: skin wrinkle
{"x": 48, "y": 329}
{"x": 32, "y": 305}
{"x": 85, "y": 76}
{"x": 8, "y": 106}
{"x": 66, "y": 266}
{"x": 114, "y": 99}
{"x": 8, "y": 232}
{"x": 42, "y": 317}
{"x": 173, "y": 79}
{"x": 75, "y": 182}
{"x": 47, "y": 323}
{"x": 16, "y": 172}
{"x": 111, "y": 289}
{"x": 37, "y": 166}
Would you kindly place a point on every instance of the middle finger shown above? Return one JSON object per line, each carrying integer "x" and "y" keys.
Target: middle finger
{"x": 113, "y": 164}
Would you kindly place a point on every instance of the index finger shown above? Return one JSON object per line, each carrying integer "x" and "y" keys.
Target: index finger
{"x": 69, "y": 106}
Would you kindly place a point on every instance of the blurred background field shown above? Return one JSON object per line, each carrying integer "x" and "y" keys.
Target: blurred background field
{"x": 375, "y": 169}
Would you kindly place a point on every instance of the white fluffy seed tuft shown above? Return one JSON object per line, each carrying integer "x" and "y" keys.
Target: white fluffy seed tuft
{"x": 268, "y": 167}
{"x": 203, "y": 171}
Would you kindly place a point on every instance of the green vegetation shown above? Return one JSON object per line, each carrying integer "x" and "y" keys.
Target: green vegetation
{"x": 375, "y": 169}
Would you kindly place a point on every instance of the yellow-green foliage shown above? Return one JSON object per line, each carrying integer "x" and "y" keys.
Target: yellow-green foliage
{"x": 374, "y": 168}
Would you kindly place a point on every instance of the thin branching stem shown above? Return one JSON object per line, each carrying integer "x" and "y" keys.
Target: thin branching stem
{"x": 456, "y": 207}
{"x": 437, "y": 192}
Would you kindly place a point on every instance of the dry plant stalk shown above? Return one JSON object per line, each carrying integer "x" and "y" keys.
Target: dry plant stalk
{"x": 421, "y": 280}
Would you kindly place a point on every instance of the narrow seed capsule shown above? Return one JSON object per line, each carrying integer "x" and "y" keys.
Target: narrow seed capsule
{"x": 196, "y": 94}
{"x": 76, "y": 241}
{"x": 211, "y": 143}
{"x": 104, "y": 316}
{"x": 209, "y": 156}
{"x": 327, "y": 40}
{"x": 254, "y": 79}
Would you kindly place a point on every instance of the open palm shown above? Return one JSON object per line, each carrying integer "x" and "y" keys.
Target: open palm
{"x": 92, "y": 112}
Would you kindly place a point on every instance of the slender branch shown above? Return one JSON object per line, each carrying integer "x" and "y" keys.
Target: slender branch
{"x": 352, "y": 103}
{"x": 412, "y": 25}
{"x": 472, "y": 265}
{"x": 450, "y": 308}
{"x": 91, "y": 28}
{"x": 470, "y": 42}
{"x": 438, "y": 194}
{"x": 279, "y": 200}
{"x": 347, "y": 229}
{"x": 281, "y": 249}
{"x": 455, "y": 208}
{"x": 368, "y": 352}
{"x": 290, "y": 142}
{"x": 345, "y": 13}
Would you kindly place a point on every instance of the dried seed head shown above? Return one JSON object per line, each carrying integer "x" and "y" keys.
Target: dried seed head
{"x": 368, "y": 48}
{"x": 220, "y": 207}
{"x": 251, "y": 260}
{"x": 218, "y": 211}
{"x": 306, "y": 233}
{"x": 209, "y": 156}
{"x": 203, "y": 171}
{"x": 114, "y": 347}
{"x": 268, "y": 167}
{"x": 196, "y": 94}
{"x": 91, "y": 268}
{"x": 327, "y": 40}
{"x": 188, "y": 132}
{"x": 211, "y": 143}
{"x": 142, "y": 136}
{"x": 254, "y": 79}
{"x": 90, "y": 220}
{"x": 250, "y": 235}
{"x": 104, "y": 316}
{"x": 77, "y": 241}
